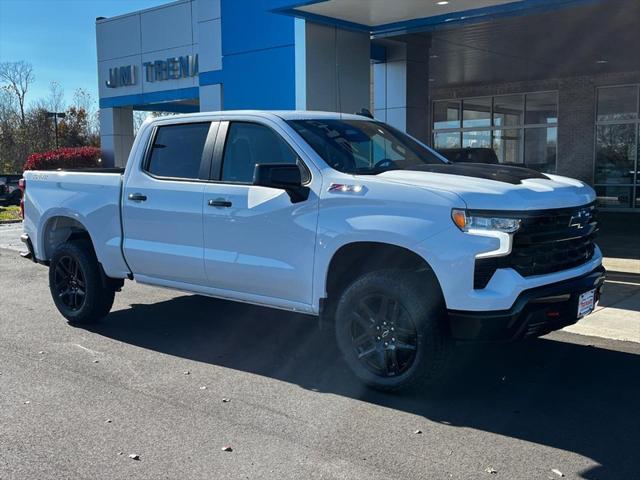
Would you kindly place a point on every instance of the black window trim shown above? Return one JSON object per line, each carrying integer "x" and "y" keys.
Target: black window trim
{"x": 205, "y": 160}
{"x": 221, "y": 145}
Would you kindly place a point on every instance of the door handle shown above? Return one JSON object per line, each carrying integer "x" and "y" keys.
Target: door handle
{"x": 137, "y": 197}
{"x": 219, "y": 203}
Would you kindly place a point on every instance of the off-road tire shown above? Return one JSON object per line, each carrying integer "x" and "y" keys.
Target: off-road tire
{"x": 421, "y": 300}
{"x": 98, "y": 298}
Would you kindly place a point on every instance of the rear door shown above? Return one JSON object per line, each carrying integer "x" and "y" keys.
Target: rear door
{"x": 162, "y": 208}
{"x": 257, "y": 241}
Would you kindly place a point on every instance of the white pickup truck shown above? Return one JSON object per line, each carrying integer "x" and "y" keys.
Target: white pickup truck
{"x": 337, "y": 216}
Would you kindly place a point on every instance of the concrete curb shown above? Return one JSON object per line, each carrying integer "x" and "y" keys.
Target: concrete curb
{"x": 8, "y": 222}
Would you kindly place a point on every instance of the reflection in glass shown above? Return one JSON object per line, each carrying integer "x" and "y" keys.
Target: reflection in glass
{"x": 614, "y": 196}
{"x": 541, "y": 108}
{"x": 477, "y": 139}
{"x": 446, "y": 140}
{"x": 476, "y": 112}
{"x": 638, "y": 163}
{"x": 446, "y": 114}
{"x": 540, "y": 147}
{"x": 617, "y": 103}
{"x": 508, "y": 146}
{"x": 615, "y": 153}
{"x": 507, "y": 110}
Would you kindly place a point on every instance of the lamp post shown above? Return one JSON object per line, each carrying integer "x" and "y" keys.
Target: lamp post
{"x": 56, "y": 116}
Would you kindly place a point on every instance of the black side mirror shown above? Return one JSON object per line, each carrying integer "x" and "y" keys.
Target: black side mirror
{"x": 285, "y": 176}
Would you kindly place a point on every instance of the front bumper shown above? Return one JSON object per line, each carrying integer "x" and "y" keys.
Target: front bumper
{"x": 536, "y": 311}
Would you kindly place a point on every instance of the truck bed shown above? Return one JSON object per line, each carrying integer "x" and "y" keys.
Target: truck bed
{"x": 90, "y": 197}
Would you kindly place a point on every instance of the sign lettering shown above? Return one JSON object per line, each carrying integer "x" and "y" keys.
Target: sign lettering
{"x": 172, "y": 68}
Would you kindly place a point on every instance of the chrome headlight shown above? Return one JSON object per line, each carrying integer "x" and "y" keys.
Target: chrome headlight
{"x": 467, "y": 222}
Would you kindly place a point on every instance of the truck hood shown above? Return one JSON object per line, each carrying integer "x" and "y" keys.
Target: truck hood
{"x": 495, "y": 187}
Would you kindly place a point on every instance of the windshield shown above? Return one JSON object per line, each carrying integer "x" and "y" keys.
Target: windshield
{"x": 364, "y": 147}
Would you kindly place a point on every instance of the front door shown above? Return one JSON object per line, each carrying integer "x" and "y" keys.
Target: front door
{"x": 162, "y": 212}
{"x": 257, "y": 241}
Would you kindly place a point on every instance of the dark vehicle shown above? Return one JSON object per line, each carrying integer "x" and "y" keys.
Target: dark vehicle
{"x": 470, "y": 155}
{"x": 10, "y": 194}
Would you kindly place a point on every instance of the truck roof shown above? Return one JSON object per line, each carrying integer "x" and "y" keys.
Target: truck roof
{"x": 283, "y": 114}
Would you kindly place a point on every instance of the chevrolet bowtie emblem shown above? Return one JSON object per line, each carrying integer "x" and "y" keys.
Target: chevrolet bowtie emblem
{"x": 580, "y": 219}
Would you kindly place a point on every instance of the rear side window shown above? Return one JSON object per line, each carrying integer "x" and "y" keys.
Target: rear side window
{"x": 177, "y": 150}
{"x": 251, "y": 143}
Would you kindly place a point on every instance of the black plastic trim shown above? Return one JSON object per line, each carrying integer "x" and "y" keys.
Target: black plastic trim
{"x": 119, "y": 170}
{"x": 529, "y": 213}
{"x": 529, "y": 315}
{"x": 543, "y": 244}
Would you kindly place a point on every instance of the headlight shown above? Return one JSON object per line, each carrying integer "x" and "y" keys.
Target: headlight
{"x": 500, "y": 228}
{"x": 467, "y": 222}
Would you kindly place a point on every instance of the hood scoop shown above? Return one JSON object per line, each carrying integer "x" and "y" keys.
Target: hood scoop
{"x": 498, "y": 173}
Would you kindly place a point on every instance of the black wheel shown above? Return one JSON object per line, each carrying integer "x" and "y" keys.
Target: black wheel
{"x": 76, "y": 283}
{"x": 390, "y": 330}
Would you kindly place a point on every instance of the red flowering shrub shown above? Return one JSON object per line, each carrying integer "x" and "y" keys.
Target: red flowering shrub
{"x": 79, "y": 157}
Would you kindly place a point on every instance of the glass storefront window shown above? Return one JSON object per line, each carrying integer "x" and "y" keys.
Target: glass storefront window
{"x": 507, "y": 110}
{"x": 447, "y": 140}
{"x": 617, "y": 103}
{"x": 614, "y": 196}
{"x": 615, "y": 154}
{"x": 540, "y": 145}
{"x": 617, "y": 149}
{"x": 521, "y": 127}
{"x": 476, "y": 112}
{"x": 541, "y": 108}
{"x": 476, "y": 139}
{"x": 508, "y": 145}
{"x": 638, "y": 166}
{"x": 446, "y": 114}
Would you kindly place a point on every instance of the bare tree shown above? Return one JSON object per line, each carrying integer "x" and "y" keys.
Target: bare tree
{"x": 139, "y": 116}
{"x": 55, "y": 102}
{"x": 17, "y": 77}
{"x": 83, "y": 100}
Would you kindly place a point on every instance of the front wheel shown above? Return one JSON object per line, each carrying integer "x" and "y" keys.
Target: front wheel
{"x": 76, "y": 283}
{"x": 389, "y": 328}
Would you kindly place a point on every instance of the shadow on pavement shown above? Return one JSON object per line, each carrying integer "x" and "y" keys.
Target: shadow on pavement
{"x": 563, "y": 395}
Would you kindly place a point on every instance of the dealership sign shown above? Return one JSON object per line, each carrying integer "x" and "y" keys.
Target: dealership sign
{"x": 172, "y": 68}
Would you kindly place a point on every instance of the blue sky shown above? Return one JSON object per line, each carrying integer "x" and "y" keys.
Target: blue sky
{"x": 58, "y": 38}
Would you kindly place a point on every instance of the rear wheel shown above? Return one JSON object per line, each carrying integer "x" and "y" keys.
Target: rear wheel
{"x": 389, "y": 327}
{"x": 76, "y": 283}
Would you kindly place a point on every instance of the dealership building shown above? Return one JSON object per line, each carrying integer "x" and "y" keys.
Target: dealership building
{"x": 553, "y": 85}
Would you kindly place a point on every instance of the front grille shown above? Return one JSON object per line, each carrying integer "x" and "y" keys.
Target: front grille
{"x": 548, "y": 241}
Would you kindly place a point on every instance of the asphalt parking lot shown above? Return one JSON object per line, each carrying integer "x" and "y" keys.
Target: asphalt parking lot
{"x": 152, "y": 380}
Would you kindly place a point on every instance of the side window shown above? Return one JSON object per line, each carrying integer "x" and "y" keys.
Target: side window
{"x": 177, "y": 150}
{"x": 251, "y": 143}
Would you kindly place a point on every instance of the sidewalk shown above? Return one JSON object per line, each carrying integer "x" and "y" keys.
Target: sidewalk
{"x": 618, "y": 315}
